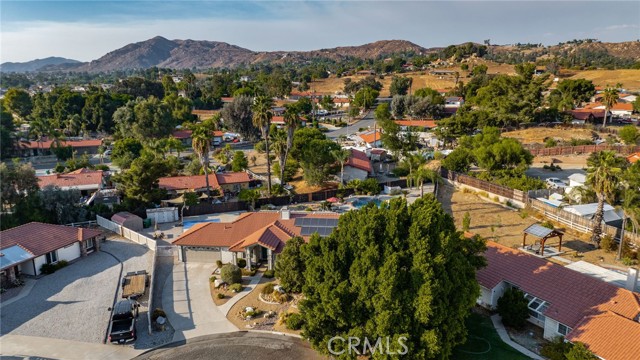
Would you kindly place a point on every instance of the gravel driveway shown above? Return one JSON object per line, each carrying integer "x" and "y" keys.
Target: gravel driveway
{"x": 68, "y": 304}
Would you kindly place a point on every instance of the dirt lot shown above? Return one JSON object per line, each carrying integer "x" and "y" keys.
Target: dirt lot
{"x": 564, "y": 161}
{"x": 505, "y": 226}
{"x": 538, "y": 135}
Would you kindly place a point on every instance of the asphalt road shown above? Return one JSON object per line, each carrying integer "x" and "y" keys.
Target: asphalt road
{"x": 367, "y": 121}
{"x": 234, "y": 346}
{"x": 560, "y": 174}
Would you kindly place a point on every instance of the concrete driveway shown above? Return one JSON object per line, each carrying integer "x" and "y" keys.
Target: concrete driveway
{"x": 188, "y": 303}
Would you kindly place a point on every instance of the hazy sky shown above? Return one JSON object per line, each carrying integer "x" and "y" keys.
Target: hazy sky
{"x": 86, "y": 30}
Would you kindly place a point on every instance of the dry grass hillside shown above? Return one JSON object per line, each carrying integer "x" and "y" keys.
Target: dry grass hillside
{"x": 630, "y": 79}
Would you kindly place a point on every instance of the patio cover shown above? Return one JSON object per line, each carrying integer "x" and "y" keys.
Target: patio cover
{"x": 13, "y": 255}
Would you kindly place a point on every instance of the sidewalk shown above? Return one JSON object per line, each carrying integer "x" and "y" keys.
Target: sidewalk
{"x": 18, "y": 345}
{"x": 247, "y": 289}
{"x": 502, "y": 332}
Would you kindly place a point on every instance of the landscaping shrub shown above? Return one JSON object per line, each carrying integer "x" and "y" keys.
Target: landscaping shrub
{"x": 514, "y": 309}
{"x": 294, "y": 321}
{"x": 236, "y": 287}
{"x": 556, "y": 349}
{"x": 253, "y": 313}
{"x": 466, "y": 221}
{"x": 157, "y": 313}
{"x": 280, "y": 297}
{"x": 230, "y": 274}
{"x": 548, "y": 224}
{"x": 400, "y": 171}
{"x": 62, "y": 263}
{"x": 220, "y": 296}
{"x": 242, "y": 263}
{"x": 48, "y": 269}
{"x": 247, "y": 272}
{"x": 608, "y": 244}
{"x": 268, "y": 289}
{"x": 212, "y": 279}
{"x": 269, "y": 274}
{"x": 219, "y": 263}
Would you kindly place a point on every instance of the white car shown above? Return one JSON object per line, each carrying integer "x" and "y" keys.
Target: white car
{"x": 555, "y": 183}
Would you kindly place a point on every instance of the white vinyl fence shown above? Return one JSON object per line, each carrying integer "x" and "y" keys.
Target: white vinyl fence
{"x": 127, "y": 233}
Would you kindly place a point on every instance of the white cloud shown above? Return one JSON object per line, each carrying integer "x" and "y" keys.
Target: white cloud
{"x": 622, "y": 27}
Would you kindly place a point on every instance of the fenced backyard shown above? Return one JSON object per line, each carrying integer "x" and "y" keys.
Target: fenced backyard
{"x": 582, "y": 149}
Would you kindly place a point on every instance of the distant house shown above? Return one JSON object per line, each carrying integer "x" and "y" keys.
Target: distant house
{"x": 449, "y": 111}
{"x": 254, "y": 236}
{"x": 230, "y": 181}
{"x": 85, "y": 180}
{"x": 418, "y": 125}
{"x": 564, "y": 302}
{"x": 628, "y": 98}
{"x": 577, "y": 179}
{"x": 371, "y": 138}
{"x": 582, "y": 116}
{"x": 226, "y": 100}
{"x": 453, "y": 102}
{"x": 357, "y": 167}
{"x": 341, "y": 102}
{"x": 611, "y": 216}
{"x": 185, "y": 137}
{"x": 37, "y": 148}
{"x": 619, "y": 109}
{"x": 633, "y": 157}
{"x": 442, "y": 73}
{"x": 279, "y": 121}
{"x": 25, "y": 248}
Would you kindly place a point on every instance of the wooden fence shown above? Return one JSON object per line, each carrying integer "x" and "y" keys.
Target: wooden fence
{"x": 489, "y": 187}
{"x": 582, "y": 149}
{"x": 578, "y": 222}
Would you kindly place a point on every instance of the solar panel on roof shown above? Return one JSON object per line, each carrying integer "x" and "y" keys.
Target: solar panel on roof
{"x": 538, "y": 230}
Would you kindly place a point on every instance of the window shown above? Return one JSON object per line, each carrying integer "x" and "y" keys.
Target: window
{"x": 52, "y": 257}
{"x": 563, "y": 329}
{"x": 90, "y": 244}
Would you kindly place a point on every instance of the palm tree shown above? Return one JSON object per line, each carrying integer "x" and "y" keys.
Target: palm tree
{"x": 40, "y": 127}
{"x": 279, "y": 147}
{"x": 609, "y": 99}
{"x": 341, "y": 156}
{"x": 262, "y": 116}
{"x": 201, "y": 143}
{"x": 292, "y": 122}
{"x": 189, "y": 198}
{"x": 630, "y": 201}
{"x": 414, "y": 161}
{"x": 603, "y": 175}
{"x": 421, "y": 174}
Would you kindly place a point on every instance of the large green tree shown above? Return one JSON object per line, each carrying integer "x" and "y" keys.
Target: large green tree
{"x": 140, "y": 181}
{"x": 395, "y": 271}
{"x": 18, "y": 102}
{"x": 290, "y": 265}
{"x": 6, "y": 131}
{"x": 571, "y": 93}
{"x": 400, "y": 85}
{"x": 238, "y": 117}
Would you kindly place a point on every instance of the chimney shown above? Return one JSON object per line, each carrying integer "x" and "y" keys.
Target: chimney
{"x": 632, "y": 279}
{"x": 80, "y": 234}
{"x": 285, "y": 213}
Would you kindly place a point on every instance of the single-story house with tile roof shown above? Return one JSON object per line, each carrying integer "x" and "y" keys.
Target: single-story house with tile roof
{"x": 453, "y": 101}
{"x": 419, "y": 125}
{"x": 254, "y": 236}
{"x": 562, "y": 301}
{"x": 371, "y": 138}
{"x": 581, "y": 116}
{"x": 357, "y": 167}
{"x": 36, "y": 148}
{"x": 85, "y": 180}
{"x": 25, "y": 248}
{"x": 228, "y": 181}
{"x": 618, "y": 109}
{"x": 279, "y": 121}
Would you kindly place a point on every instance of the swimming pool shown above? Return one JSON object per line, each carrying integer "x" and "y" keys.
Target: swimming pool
{"x": 188, "y": 224}
{"x": 359, "y": 203}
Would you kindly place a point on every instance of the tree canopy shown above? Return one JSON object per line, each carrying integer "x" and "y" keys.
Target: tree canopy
{"x": 396, "y": 271}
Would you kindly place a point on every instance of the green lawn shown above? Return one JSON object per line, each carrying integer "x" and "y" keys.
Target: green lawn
{"x": 483, "y": 343}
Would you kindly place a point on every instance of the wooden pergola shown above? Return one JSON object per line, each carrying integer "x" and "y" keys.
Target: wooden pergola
{"x": 544, "y": 234}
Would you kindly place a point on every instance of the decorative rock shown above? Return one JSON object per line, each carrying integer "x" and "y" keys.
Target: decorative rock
{"x": 248, "y": 308}
{"x": 279, "y": 289}
{"x": 218, "y": 283}
{"x": 161, "y": 320}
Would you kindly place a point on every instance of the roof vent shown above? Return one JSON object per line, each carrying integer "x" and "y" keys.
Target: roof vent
{"x": 285, "y": 213}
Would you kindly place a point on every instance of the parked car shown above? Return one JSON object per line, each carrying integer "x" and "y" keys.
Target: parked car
{"x": 107, "y": 153}
{"x": 122, "y": 327}
{"x": 555, "y": 183}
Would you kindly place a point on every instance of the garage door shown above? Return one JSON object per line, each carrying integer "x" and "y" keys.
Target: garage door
{"x": 202, "y": 254}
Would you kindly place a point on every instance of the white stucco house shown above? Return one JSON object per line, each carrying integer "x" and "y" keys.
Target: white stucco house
{"x": 27, "y": 247}
{"x": 357, "y": 167}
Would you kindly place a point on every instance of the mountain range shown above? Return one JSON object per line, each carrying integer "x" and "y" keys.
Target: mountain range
{"x": 189, "y": 54}
{"x": 37, "y": 65}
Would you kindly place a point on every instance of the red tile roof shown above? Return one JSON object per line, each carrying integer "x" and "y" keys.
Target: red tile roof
{"x": 571, "y": 295}
{"x": 79, "y": 178}
{"x": 417, "y": 123}
{"x": 194, "y": 182}
{"x": 185, "y": 134}
{"x": 633, "y": 157}
{"x": 609, "y": 335}
{"x": 46, "y": 144}
{"x": 584, "y": 114}
{"x": 359, "y": 160}
{"x": 264, "y": 228}
{"x": 369, "y": 136}
{"x": 40, "y": 238}
{"x": 233, "y": 178}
